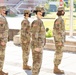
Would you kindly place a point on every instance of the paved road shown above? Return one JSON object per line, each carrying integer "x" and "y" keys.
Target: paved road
{"x": 13, "y": 62}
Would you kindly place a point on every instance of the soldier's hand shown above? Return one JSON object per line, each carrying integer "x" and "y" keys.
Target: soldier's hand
{"x": 25, "y": 42}
{"x": 37, "y": 49}
{"x": 60, "y": 44}
{"x": 44, "y": 41}
{"x": 3, "y": 43}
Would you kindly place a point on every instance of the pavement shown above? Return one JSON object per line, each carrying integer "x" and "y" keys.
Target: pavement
{"x": 13, "y": 62}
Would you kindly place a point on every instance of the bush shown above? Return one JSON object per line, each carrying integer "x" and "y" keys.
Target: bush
{"x": 48, "y": 33}
{"x": 12, "y": 15}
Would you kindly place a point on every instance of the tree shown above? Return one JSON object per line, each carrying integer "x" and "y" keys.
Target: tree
{"x": 52, "y": 0}
{"x": 75, "y": 4}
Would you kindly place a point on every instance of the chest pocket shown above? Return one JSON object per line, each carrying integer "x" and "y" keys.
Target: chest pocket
{"x": 36, "y": 27}
{"x": 2, "y": 27}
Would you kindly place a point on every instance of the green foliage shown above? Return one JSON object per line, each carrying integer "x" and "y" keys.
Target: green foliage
{"x": 53, "y": 0}
{"x": 49, "y": 34}
{"x": 65, "y": 4}
{"x": 46, "y": 5}
{"x": 75, "y": 7}
{"x": 12, "y": 15}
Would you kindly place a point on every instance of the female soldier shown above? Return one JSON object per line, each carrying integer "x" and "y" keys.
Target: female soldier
{"x": 38, "y": 40}
{"x": 25, "y": 38}
{"x": 59, "y": 38}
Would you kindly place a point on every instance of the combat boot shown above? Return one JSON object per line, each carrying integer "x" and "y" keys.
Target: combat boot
{"x": 58, "y": 71}
{"x": 26, "y": 67}
{"x": 3, "y": 73}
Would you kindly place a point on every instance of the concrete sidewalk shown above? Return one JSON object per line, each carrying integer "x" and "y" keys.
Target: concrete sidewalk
{"x": 13, "y": 62}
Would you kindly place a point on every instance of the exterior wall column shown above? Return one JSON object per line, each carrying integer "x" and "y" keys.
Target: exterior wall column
{"x": 71, "y": 18}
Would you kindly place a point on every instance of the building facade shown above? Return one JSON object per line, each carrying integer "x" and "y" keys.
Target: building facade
{"x": 17, "y": 6}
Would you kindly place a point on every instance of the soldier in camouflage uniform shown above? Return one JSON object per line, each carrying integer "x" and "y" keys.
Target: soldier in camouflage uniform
{"x": 25, "y": 39}
{"x": 59, "y": 37}
{"x": 3, "y": 37}
{"x": 38, "y": 40}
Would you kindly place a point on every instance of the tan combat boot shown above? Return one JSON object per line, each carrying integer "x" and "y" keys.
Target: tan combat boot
{"x": 26, "y": 67}
{"x": 58, "y": 71}
{"x": 3, "y": 73}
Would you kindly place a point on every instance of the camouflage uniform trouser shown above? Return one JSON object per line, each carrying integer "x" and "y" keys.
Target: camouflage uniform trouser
{"x": 58, "y": 55}
{"x": 37, "y": 60}
{"x": 2, "y": 56}
{"x": 25, "y": 52}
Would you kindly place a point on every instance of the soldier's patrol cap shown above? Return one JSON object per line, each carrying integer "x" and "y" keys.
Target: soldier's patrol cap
{"x": 26, "y": 11}
{"x": 39, "y": 8}
{"x": 61, "y": 8}
{"x": 2, "y": 5}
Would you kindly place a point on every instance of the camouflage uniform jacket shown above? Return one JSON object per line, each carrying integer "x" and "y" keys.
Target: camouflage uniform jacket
{"x": 25, "y": 30}
{"x": 3, "y": 29}
{"x": 38, "y": 33}
{"x": 59, "y": 30}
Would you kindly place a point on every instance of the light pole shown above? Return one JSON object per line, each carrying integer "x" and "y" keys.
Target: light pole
{"x": 71, "y": 19}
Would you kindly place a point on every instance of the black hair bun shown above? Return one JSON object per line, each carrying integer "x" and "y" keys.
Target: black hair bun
{"x": 34, "y": 11}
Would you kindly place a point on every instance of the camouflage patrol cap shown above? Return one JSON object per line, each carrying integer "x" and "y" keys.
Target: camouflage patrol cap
{"x": 2, "y": 5}
{"x": 26, "y": 11}
{"x": 61, "y": 8}
{"x": 39, "y": 8}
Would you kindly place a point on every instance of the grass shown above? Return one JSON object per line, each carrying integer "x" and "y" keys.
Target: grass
{"x": 48, "y": 24}
{"x": 49, "y": 20}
